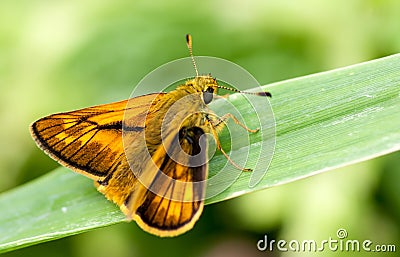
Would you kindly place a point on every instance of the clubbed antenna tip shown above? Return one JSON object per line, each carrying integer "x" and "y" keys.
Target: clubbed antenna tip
{"x": 264, "y": 94}
{"x": 190, "y": 45}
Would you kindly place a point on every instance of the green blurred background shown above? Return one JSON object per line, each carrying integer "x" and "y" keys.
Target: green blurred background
{"x": 64, "y": 55}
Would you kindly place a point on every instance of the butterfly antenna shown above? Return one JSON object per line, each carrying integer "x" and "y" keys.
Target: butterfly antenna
{"x": 244, "y": 92}
{"x": 189, "y": 45}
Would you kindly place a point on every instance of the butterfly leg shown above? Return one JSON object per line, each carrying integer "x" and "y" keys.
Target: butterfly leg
{"x": 220, "y": 122}
{"x": 216, "y": 125}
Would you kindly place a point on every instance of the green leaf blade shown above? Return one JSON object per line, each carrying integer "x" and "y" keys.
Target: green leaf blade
{"x": 56, "y": 205}
{"x": 323, "y": 121}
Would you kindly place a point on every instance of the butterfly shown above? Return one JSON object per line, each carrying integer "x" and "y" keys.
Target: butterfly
{"x": 147, "y": 154}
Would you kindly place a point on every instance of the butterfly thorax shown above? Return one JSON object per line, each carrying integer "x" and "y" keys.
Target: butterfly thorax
{"x": 184, "y": 107}
{"x": 199, "y": 84}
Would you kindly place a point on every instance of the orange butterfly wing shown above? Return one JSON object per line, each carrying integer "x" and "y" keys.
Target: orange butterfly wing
{"x": 89, "y": 140}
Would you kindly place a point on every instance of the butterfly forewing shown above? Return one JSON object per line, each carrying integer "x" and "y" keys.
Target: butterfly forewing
{"x": 89, "y": 140}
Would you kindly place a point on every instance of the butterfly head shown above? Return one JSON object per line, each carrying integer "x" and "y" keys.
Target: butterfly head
{"x": 204, "y": 85}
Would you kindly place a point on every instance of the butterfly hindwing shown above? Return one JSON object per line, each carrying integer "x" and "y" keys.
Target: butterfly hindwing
{"x": 171, "y": 207}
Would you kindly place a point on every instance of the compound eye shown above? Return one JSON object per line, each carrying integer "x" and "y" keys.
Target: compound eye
{"x": 208, "y": 95}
